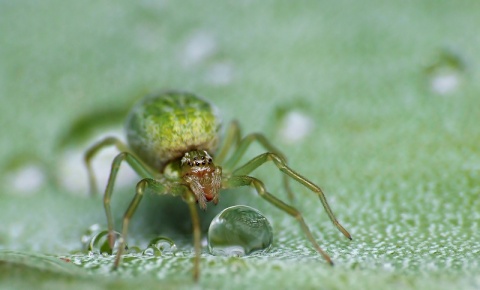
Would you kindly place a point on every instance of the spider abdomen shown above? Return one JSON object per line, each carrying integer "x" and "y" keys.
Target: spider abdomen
{"x": 161, "y": 128}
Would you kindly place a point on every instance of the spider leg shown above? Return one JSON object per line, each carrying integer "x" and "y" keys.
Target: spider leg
{"x": 157, "y": 186}
{"x": 236, "y": 181}
{"x": 142, "y": 186}
{"x": 138, "y": 167}
{"x": 282, "y": 166}
{"x": 139, "y": 192}
{"x": 191, "y": 200}
{"x": 95, "y": 149}
{"x": 233, "y": 140}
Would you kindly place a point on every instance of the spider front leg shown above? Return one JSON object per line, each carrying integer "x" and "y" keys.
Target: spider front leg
{"x": 236, "y": 181}
{"x": 234, "y": 141}
{"x": 280, "y": 163}
{"x": 139, "y": 168}
{"x": 159, "y": 187}
{"x": 191, "y": 200}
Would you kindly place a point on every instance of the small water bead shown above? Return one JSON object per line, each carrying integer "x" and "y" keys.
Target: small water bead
{"x": 134, "y": 250}
{"x": 160, "y": 246}
{"x": 238, "y": 231}
{"x": 151, "y": 251}
{"x": 164, "y": 244}
{"x": 99, "y": 243}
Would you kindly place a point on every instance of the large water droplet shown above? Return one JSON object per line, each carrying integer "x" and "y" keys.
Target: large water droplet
{"x": 238, "y": 231}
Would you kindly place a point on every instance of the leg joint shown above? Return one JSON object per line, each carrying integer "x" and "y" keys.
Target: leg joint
{"x": 122, "y": 156}
{"x": 118, "y": 159}
{"x": 258, "y": 186}
{"x": 277, "y": 159}
{"x": 141, "y": 186}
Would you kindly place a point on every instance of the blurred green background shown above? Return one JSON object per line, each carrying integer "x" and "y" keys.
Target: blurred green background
{"x": 376, "y": 101}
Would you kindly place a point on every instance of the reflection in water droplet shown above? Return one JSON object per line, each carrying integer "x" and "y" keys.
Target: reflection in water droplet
{"x": 99, "y": 243}
{"x": 238, "y": 231}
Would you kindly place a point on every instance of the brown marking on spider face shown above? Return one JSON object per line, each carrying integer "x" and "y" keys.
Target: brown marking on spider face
{"x": 202, "y": 176}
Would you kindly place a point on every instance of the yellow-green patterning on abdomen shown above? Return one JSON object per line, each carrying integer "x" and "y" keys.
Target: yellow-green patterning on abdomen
{"x": 163, "y": 127}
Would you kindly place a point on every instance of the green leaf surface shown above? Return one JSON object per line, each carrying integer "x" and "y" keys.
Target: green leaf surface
{"x": 377, "y": 102}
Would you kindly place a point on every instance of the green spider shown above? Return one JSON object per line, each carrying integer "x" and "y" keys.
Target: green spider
{"x": 172, "y": 137}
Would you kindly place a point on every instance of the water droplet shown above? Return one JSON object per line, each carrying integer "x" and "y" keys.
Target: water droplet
{"x": 99, "y": 243}
{"x": 238, "y": 231}
{"x": 445, "y": 83}
{"x": 160, "y": 246}
{"x": 28, "y": 179}
{"x": 134, "y": 250}
{"x": 293, "y": 120}
{"x": 152, "y": 251}
{"x": 199, "y": 47}
{"x": 446, "y": 71}
{"x": 296, "y": 126}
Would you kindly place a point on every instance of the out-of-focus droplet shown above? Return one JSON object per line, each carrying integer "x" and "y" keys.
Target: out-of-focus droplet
{"x": 446, "y": 72}
{"x": 238, "y": 231}
{"x": 296, "y": 126}
{"x": 200, "y": 45}
{"x": 27, "y": 180}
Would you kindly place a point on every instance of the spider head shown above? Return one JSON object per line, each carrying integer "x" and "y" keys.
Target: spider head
{"x": 202, "y": 176}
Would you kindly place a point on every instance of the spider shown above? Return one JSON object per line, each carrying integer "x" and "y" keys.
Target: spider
{"x": 172, "y": 138}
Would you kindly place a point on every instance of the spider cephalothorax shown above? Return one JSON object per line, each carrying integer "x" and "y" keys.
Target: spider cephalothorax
{"x": 202, "y": 176}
